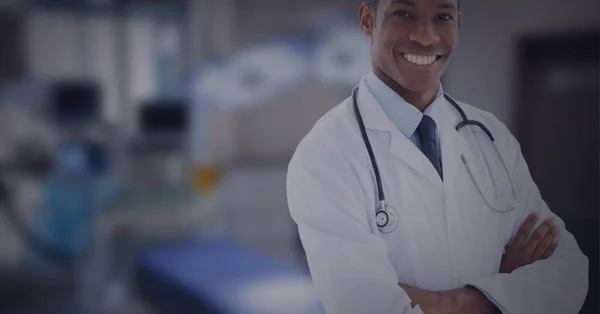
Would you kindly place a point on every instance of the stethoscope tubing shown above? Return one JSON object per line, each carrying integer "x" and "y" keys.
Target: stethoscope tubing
{"x": 465, "y": 121}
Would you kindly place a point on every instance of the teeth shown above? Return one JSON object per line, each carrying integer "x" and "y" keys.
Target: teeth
{"x": 420, "y": 60}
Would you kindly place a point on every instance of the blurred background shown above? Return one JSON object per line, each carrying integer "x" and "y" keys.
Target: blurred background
{"x": 144, "y": 143}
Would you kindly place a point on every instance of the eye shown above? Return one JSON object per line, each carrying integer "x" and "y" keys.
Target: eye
{"x": 445, "y": 17}
{"x": 404, "y": 14}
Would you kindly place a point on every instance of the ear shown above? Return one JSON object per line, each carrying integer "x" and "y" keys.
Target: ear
{"x": 366, "y": 18}
{"x": 458, "y": 20}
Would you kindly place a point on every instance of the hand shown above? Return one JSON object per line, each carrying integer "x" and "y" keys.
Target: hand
{"x": 460, "y": 301}
{"x": 541, "y": 245}
{"x": 430, "y": 302}
{"x": 468, "y": 300}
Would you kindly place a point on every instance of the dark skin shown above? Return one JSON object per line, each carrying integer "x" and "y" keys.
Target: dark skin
{"x": 412, "y": 44}
{"x": 526, "y": 249}
{"x": 529, "y": 246}
{"x": 404, "y": 27}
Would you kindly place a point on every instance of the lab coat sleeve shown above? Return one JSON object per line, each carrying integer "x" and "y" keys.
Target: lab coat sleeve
{"x": 348, "y": 264}
{"x": 556, "y": 285}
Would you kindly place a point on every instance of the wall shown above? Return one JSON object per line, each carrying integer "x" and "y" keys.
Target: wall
{"x": 482, "y": 71}
{"x": 67, "y": 45}
{"x": 257, "y": 17}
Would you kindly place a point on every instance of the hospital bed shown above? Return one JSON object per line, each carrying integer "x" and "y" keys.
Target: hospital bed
{"x": 219, "y": 276}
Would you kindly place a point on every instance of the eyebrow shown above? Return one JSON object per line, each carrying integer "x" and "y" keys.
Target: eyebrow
{"x": 447, "y": 5}
{"x": 441, "y": 5}
{"x": 406, "y": 2}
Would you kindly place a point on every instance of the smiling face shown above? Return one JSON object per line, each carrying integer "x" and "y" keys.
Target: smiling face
{"x": 412, "y": 40}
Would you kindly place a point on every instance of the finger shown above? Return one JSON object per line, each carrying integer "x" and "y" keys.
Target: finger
{"x": 524, "y": 231}
{"x": 550, "y": 250}
{"x": 544, "y": 244}
{"x": 537, "y": 237}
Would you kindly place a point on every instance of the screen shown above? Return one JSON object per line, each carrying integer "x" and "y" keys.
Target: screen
{"x": 164, "y": 116}
{"x": 75, "y": 102}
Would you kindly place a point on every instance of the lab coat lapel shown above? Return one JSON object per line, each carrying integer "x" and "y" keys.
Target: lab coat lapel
{"x": 453, "y": 145}
{"x": 400, "y": 146}
{"x": 457, "y": 145}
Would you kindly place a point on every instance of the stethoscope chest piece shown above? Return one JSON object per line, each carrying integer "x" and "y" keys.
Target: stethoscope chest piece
{"x": 386, "y": 218}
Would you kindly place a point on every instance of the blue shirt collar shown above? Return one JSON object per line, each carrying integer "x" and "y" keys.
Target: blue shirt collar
{"x": 405, "y": 116}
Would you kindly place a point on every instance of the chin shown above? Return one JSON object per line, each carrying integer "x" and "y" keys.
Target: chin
{"x": 419, "y": 86}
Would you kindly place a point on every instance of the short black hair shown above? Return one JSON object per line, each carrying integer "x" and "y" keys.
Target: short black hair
{"x": 373, "y": 3}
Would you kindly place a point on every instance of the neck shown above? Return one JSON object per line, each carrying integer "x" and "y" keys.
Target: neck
{"x": 420, "y": 99}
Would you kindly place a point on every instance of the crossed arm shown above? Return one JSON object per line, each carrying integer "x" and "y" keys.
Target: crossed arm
{"x": 350, "y": 267}
{"x": 464, "y": 301}
{"x": 546, "y": 274}
{"x": 522, "y": 252}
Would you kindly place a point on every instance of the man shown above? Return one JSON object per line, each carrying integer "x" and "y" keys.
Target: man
{"x": 446, "y": 254}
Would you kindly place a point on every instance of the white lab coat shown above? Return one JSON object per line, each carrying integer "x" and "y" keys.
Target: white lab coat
{"x": 447, "y": 236}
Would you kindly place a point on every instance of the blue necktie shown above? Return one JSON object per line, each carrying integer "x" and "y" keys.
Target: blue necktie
{"x": 427, "y": 132}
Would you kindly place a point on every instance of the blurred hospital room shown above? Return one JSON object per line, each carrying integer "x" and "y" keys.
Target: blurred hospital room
{"x": 144, "y": 144}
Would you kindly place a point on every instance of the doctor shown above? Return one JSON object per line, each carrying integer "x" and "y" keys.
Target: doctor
{"x": 403, "y": 207}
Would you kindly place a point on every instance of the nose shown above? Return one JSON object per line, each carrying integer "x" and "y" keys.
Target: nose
{"x": 424, "y": 33}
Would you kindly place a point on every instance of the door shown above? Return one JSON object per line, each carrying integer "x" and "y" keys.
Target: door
{"x": 557, "y": 125}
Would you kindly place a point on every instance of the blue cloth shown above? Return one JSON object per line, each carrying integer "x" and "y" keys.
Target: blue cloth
{"x": 227, "y": 278}
{"x": 405, "y": 116}
{"x": 427, "y": 132}
{"x": 66, "y": 217}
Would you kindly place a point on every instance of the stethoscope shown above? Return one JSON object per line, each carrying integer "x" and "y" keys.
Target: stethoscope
{"x": 386, "y": 216}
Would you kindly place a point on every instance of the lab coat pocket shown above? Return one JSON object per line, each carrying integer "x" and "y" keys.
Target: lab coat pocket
{"x": 489, "y": 173}
{"x": 485, "y": 229}
{"x": 416, "y": 247}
